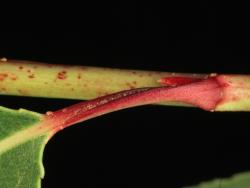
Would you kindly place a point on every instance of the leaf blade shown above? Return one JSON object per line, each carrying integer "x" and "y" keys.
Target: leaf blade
{"x": 20, "y": 153}
{"x": 241, "y": 180}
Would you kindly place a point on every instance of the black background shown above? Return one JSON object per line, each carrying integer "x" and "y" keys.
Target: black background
{"x": 152, "y": 145}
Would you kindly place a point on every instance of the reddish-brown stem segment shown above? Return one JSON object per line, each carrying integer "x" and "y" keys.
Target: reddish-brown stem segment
{"x": 178, "y": 80}
{"x": 204, "y": 94}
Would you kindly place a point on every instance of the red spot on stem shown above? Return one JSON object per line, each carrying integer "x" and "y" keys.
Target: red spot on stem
{"x": 3, "y": 89}
{"x": 3, "y": 76}
{"x": 31, "y": 76}
{"x": 79, "y": 76}
{"x": 62, "y": 75}
{"x": 13, "y": 77}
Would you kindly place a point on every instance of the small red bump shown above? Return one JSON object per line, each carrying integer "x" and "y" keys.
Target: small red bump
{"x": 79, "y": 76}
{"x": 31, "y": 76}
{"x": 13, "y": 78}
{"x": 62, "y": 75}
{"x": 3, "y": 76}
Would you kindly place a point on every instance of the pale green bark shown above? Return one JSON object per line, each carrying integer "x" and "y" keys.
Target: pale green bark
{"x": 25, "y": 78}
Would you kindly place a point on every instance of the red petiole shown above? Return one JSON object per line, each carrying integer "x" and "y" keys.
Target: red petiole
{"x": 203, "y": 93}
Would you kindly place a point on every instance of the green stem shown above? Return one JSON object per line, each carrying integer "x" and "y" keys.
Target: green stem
{"x": 25, "y": 78}
{"x": 35, "y": 79}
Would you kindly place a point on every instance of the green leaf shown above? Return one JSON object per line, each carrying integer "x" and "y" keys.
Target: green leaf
{"x": 241, "y": 180}
{"x": 20, "y": 152}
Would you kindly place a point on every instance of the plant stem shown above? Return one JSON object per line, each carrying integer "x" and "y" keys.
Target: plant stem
{"x": 25, "y": 78}
{"x": 35, "y": 79}
{"x": 193, "y": 93}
